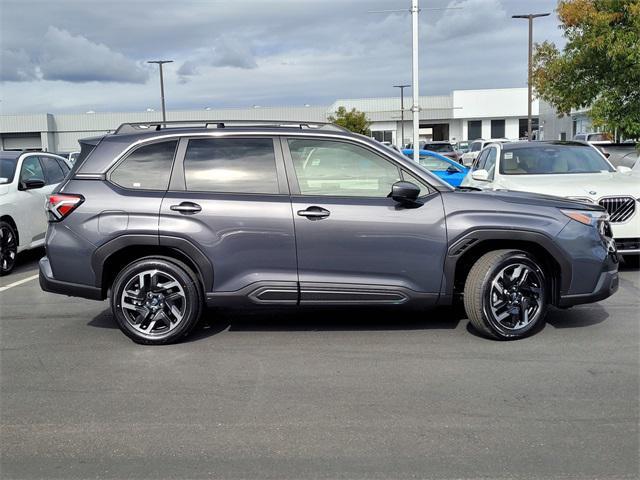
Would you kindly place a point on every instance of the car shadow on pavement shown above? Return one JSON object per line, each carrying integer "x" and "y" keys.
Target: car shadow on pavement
{"x": 272, "y": 319}
{"x": 577, "y": 317}
{"x": 28, "y": 259}
{"x": 382, "y": 318}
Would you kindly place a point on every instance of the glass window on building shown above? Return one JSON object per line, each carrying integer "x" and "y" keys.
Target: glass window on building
{"x": 383, "y": 135}
{"x": 497, "y": 128}
{"x": 474, "y": 129}
{"x": 522, "y": 127}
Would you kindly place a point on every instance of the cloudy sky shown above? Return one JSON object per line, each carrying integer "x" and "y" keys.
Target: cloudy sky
{"x": 78, "y": 55}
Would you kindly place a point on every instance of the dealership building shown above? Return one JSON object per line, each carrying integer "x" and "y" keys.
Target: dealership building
{"x": 461, "y": 115}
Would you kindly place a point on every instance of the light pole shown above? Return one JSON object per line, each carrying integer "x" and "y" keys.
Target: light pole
{"x": 530, "y": 17}
{"x": 401, "y": 87}
{"x": 415, "y": 108}
{"x": 160, "y": 63}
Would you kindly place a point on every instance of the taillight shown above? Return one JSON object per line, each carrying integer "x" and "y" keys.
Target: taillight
{"x": 59, "y": 206}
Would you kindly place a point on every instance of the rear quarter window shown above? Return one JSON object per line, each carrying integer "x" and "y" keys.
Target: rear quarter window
{"x": 146, "y": 168}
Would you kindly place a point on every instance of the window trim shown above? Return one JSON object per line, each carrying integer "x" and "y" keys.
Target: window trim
{"x": 131, "y": 152}
{"x": 293, "y": 177}
{"x": 178, "y": 182}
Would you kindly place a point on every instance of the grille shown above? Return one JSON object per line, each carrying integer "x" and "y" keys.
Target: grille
{"x": 619, "y": 209}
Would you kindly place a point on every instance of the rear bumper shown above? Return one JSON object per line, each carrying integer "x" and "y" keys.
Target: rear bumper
{"x": 50, "y": 284}
{"x": 607, "y": 285}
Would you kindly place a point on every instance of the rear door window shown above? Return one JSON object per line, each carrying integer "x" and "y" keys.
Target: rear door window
{"x": 147, "y": 167}
{"x": 231, "y": 165}
{"x": 52, "y": 171}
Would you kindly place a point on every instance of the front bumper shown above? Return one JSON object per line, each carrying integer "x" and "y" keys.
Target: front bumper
{"x": 606, "y": 286}
{"x": 628, "y": 246}
{"x": 49, "y": 284}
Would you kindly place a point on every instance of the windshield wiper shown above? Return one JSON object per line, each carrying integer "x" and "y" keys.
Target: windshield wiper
{"x": 469, "y": 189}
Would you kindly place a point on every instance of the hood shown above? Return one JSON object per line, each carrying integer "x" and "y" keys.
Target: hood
{"x": 537, "y": 199}
{"x": 586, "y": 185}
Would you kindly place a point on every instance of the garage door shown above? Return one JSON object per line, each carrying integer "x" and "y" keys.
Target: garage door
{"x": 19, "y": 141}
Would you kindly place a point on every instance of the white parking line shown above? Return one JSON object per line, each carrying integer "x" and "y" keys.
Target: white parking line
{"x": 19, "y": 282}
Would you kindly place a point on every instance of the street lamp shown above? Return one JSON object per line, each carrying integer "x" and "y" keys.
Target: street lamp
{"x": 401, "y": 87}
{"x": 160, "y": 63}
{"x": 530, "y": 17}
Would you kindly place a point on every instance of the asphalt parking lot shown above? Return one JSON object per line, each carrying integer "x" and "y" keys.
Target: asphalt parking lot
{"x": 317, "y": 394}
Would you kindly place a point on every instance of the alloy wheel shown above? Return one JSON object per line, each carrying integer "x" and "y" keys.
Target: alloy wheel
{"x": 516, "y": 296}
{"x": 153, "y": 302}
{"x": 8, "y": 248}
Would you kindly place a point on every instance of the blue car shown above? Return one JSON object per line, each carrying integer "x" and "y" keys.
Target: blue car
{"x": 448, "y": 170}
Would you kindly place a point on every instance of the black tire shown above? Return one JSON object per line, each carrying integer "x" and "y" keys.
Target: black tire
{"x": 486, "y": 302}
{"x": 8, "y": 247}
{"x": 157, "y": 305}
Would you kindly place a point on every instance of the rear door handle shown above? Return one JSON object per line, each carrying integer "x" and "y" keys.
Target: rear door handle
{"x": 186, "y": 207}
{"x": 314, "y": 212}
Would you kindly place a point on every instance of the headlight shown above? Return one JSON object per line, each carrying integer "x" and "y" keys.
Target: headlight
{"x": 586, "y": 216}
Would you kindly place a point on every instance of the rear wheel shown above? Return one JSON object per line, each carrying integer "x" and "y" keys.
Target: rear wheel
{"x": 505, "y": 294}
{"x": 156, "y": 300}
{"x": 8, "y": 247}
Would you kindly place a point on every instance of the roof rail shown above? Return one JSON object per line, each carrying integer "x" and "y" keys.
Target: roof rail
{"x": 137, "y": 127}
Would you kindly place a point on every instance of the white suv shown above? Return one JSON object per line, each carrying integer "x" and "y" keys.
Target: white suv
{"x": 26, "y": 180}
{"x": 476, "y": 146}
{"x": 575, "y": 170}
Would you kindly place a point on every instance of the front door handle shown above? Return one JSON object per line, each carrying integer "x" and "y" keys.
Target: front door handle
{"x": 314, "y": 212}
{"x": 186, "y": 207}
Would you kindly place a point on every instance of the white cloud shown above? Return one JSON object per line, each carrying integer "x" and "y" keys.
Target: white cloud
{"x": 76, "y": 59}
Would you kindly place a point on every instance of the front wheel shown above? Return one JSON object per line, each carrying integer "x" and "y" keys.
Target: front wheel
{"x": 156, "y": 300}
{"x": 505, "y": 294}
{"x": 8, "y": 247}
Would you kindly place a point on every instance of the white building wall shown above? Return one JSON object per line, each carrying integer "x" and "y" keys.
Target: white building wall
{"x": 512, "y": 127}
{"x": 494, "y": 103}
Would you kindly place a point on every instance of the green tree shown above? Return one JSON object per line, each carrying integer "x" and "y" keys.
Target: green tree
{"x": 599, "y": 67}
{"x": 354, "y": 120}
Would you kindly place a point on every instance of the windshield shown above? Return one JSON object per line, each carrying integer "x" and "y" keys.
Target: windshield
{"x": 432, "y": 163}
{"x": 552, "y": 159}
{"x": 7, "y": 170}
{"x": 439, "y": 147}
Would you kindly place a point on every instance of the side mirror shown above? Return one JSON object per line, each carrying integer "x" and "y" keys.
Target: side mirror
{"x": 622, "y": 169}
{"x": 452, "y": 169}
{"x": 480, "y": 175}
{"x": 405, "y": 193}
{"x": 31, "y": 184}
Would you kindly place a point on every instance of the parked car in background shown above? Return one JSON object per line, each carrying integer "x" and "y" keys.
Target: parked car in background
{"x": 619, "y": 154}
{"x": 443, "y": 148}
{"x": 594, "y": 138}
{"x": 73, "y": 156}
{"x": 26, "y": 180}
{"x": 447, "y": 169}
{"x": 574, "y": 170}
{"x": 306, "y": 215}
{"x": 475, "y": 147}
{"x": 462, "y": 147}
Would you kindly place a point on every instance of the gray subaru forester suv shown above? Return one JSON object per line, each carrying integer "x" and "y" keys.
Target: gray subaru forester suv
{"x": 167, "y": 218}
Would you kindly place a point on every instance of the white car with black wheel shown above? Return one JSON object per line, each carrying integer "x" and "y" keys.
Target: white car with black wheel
{"x": 574, "y": 170}
{"x": 26, "y": 181}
